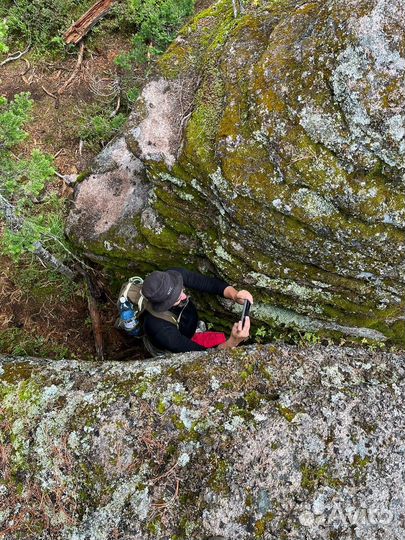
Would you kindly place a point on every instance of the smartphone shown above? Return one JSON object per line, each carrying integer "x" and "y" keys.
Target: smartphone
{"x": 245, "y": 311}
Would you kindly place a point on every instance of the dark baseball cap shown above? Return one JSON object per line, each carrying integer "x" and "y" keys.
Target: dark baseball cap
{"x": 163, "y": 289}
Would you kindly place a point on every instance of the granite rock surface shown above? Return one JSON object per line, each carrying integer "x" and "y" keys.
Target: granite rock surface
{"x": 254, "y": 443}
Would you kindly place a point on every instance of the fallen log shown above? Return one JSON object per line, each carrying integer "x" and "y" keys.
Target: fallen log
{"x": 82, "y": 26}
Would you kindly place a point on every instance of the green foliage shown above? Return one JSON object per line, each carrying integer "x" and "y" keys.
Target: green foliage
{"x": 39, "y": 169}
{"x": 137, "y": 55}
{"x": 95, "y": 126}
{"x": 261, "y": 334}
{"x": 158, "y": 20}
{"x": 292, "y": 335}
{"x": 23, "y": 180}
{"x": 133, "y": 94}
{"x": 3, "y": 37}
{"x": 46, "y": 228}
{"x": 14, "y": 244}
{"x": 40, "y": 22}
{"x": 41, "y": 282}
{"x": 13, "y": 116}
{"x": 310, "y": 338}
{"x": 155, "y": 23}
{"x": 16, "y": 342}
{"x": 373, "y": 345}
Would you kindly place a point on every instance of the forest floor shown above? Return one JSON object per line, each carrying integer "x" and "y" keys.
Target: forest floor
{"x": 42, "y": 314}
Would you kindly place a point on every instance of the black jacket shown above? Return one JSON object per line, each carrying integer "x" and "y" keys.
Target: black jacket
{"x": 167, "y": 336}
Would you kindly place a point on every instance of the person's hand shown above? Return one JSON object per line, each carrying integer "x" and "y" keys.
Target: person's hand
{"x": 243, "y": 295}
{"x": 238, "y": 333}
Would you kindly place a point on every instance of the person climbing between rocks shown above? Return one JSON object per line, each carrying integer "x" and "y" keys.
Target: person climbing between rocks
{"x": 165, "y": 292}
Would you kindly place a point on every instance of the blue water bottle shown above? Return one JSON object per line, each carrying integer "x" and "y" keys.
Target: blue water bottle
{"x": 128, "y": 317}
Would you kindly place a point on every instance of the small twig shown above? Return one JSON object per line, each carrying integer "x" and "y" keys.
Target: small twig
{"x": 164, "y": 475}
{"x": 28, "y": 67}
{"x": 62, "y": 245}
{"x": 97, "y": 327}
{"x": 149, "y": 53}
{"x": 117, "y": 108}
{"x": 42, "y": 262}
{"x": 104, "y": 87}
{"x": 183, "y": 120}
{"x": 15, "y": 56}
{"x": 49, "y": 93}
{"x": 75, "y": 71}
{"x": 81, "y": 143}
{"x": 56, "y": 66}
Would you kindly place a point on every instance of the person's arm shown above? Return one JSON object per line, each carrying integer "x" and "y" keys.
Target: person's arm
{"x": 238, "y": 334}
{"x": 237, "y": 296}
{"x": 198, "y": 282}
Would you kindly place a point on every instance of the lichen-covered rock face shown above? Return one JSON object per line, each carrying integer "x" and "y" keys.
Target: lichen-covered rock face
{"x": 274, "y": 148}
{"x": 247, "y": 444}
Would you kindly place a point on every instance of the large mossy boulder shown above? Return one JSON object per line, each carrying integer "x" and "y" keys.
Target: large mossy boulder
{"x": 256, "y": 443}
{"x": 269, "y": 149}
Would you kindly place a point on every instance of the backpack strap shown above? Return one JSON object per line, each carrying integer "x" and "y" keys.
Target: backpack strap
{"x": 164, "y": 315}
{"x": 135, "y": 280}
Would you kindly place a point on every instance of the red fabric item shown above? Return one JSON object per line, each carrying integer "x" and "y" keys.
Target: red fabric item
{"x": 209, "y": 339}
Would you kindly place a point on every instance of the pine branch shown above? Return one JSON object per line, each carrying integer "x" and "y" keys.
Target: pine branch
{"x": 16, "y": 223}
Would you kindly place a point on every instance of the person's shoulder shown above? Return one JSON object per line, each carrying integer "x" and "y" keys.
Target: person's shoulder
{"x": 151, "y": 321}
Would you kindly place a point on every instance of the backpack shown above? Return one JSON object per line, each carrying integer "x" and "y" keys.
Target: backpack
{"x": 131, "y": 299}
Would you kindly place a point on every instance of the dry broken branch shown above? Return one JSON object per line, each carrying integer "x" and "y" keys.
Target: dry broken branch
{"x": 62, "y": 88}
{"x": 80, "y": 28}
{"x": 117, "y": 108}
{"x": 15, "y": 56}
{"x": 48, "y": 92}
